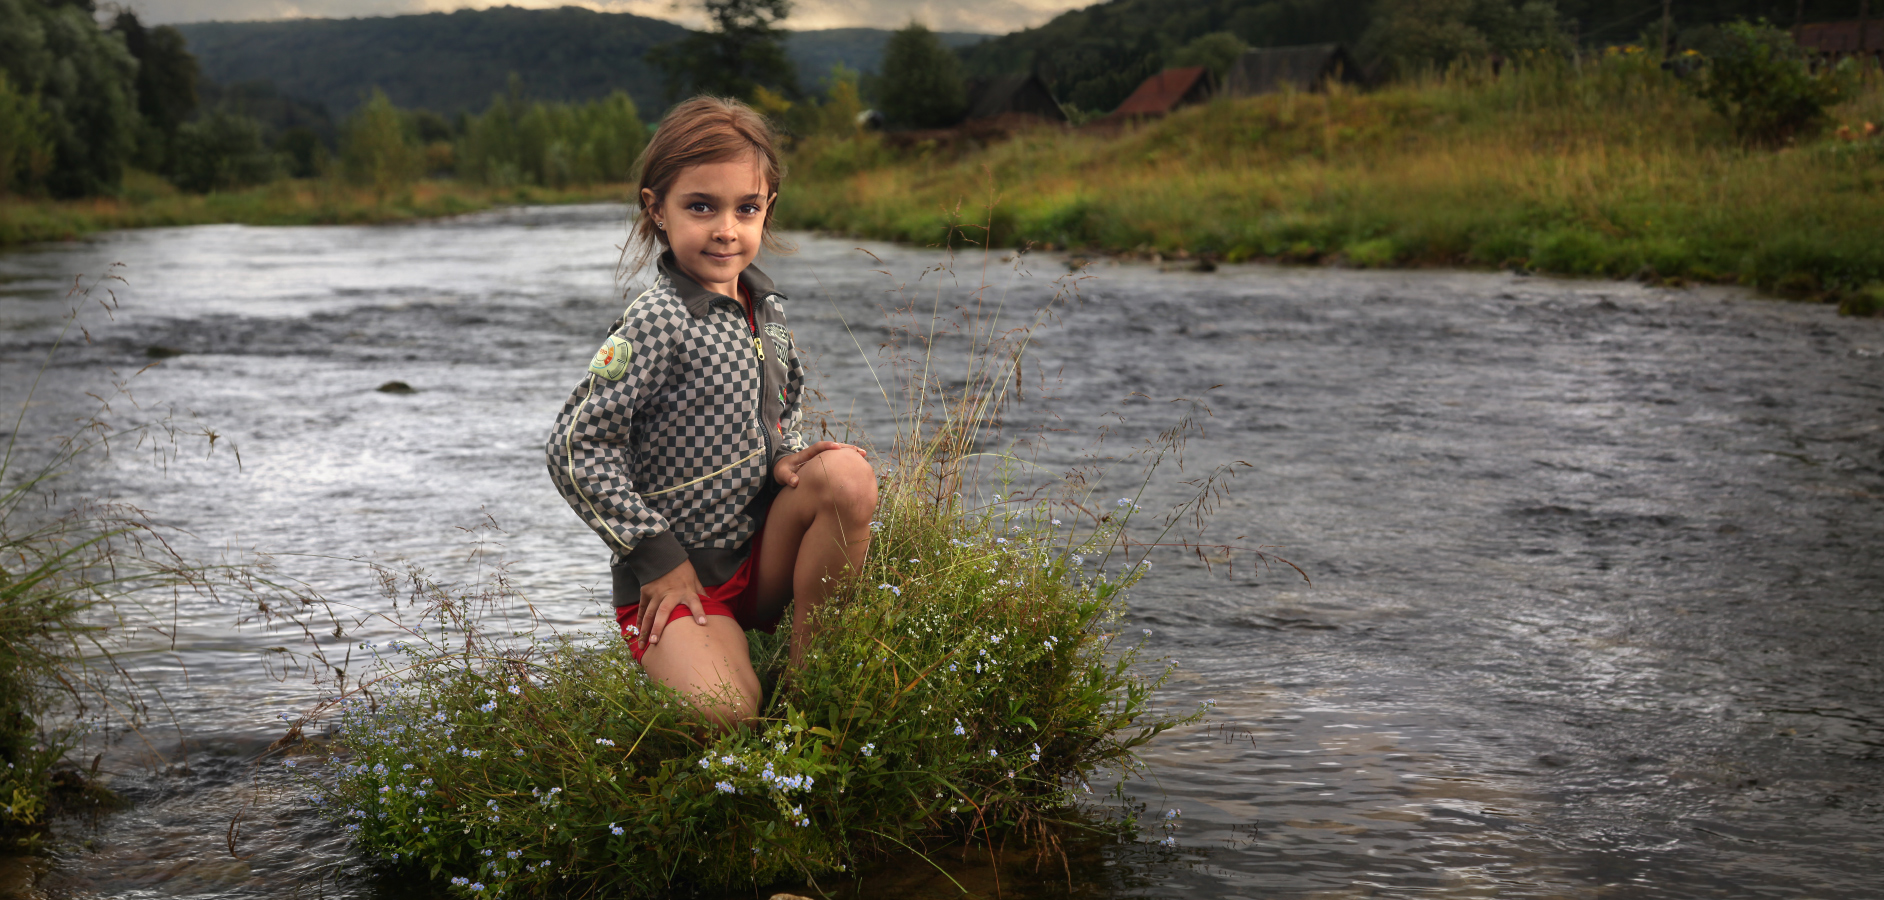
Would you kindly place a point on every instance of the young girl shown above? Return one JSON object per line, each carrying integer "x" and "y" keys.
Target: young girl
{"x": 682, "y": 446}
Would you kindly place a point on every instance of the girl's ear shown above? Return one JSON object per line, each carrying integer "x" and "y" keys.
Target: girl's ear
{"x": 650, "y": 204}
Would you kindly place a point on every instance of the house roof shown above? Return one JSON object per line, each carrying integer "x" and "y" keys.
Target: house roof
{"x": 1164, "y": 92}
{"x": 1841, "y": 37}
{"x": 1268, "y": 69}
{"x": 1018, "y": 93}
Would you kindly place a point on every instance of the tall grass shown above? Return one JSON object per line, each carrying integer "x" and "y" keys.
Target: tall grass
{"x": 1610, "y": 168}
{"x": 78, "y": 577}
{"x": 964, "y": 686}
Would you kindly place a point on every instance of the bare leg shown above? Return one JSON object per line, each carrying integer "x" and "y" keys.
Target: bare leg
{"x": 710, "y": 664}
{"x": 813, "y": 533}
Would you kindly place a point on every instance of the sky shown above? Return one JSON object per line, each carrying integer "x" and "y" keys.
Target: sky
{"x": 988, "y": 16}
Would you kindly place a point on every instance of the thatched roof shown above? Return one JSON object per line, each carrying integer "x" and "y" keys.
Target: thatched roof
{"x": 1304, "y": 68}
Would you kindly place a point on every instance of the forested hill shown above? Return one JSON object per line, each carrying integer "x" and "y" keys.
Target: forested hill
{"x": 451, "y": 62}
{"x": 1094, "y": 57}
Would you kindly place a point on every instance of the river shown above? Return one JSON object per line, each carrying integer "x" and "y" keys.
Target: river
{"x": 1596, "y": 604}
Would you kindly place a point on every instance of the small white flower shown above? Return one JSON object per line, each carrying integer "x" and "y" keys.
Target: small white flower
{"x": 616, "y": 829}
{"x": 605, "y": 742}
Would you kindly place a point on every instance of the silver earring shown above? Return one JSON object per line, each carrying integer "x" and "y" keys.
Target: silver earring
{"x": 661, "y": 225}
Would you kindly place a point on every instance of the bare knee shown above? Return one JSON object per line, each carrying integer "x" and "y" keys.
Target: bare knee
{"x": 843, "y": 480}
{"x": 730, "y": 709}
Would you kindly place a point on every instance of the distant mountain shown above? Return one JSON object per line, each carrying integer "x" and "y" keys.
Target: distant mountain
{"x": 816, "y": 52}
{"x": 453, "y": 62}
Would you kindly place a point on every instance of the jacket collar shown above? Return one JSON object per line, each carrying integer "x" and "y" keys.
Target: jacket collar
{"x": 699, "y": 300}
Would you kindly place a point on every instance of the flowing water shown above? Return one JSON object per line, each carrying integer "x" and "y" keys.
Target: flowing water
{"x": 1596, "y": 588}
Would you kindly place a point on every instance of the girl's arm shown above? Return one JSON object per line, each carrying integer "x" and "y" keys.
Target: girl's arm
{"x": 591, "y": 454}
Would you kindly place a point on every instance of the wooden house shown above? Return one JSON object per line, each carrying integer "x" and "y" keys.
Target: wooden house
{"x": 1305, "y": 68}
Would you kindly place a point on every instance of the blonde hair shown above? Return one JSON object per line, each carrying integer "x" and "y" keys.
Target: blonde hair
{"x": 699, "y": 132}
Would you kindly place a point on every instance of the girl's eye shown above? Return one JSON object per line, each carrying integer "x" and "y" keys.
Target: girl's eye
{"x": 750, "y": 209}
{"x": 699, "y": 207}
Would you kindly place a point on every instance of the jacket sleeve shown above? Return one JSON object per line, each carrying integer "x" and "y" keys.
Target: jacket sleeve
{"x": 591, "y": 451}
{"x": 792, "y": 421}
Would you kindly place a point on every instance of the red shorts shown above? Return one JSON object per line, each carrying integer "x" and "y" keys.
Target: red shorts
{"x": 736, "y": 599}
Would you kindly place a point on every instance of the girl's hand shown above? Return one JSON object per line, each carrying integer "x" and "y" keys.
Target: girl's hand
{"x": 786, "y": 472}
{"x": 659, "y": 597}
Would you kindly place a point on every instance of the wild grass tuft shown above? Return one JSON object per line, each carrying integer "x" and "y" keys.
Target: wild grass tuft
{"x": 77, "y": 578}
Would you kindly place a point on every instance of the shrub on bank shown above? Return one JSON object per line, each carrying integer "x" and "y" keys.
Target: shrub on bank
{"x": 966, "y": 684}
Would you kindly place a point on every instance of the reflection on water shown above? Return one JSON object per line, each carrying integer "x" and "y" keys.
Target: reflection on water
{"x": 1595, "y": 608}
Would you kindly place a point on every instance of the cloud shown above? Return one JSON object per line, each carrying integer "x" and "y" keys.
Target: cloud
{"x": 989, "y": 16}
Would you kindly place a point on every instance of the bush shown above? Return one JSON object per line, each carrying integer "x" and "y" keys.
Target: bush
{"x": 970, "y": 693}
{"x": 1762, "y": 83}
{"x": 222, "y": 152}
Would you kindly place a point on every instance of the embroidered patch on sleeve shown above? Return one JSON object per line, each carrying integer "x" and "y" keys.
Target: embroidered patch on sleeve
{"x": 611, "y": 362}
{"x": 781, "y": 338}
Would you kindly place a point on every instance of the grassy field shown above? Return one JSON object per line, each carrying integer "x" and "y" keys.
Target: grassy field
{"x": 1613, "y": 170}
{"x": 147, "y": 201}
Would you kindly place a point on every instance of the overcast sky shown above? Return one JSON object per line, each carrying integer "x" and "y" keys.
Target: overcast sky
{"x": 990, "y": 16}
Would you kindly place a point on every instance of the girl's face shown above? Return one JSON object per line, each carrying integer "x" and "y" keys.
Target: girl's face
{"x": 714, "y": 217}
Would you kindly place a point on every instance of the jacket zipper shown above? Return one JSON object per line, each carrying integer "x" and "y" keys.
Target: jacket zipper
{"x": 758, "y": 346}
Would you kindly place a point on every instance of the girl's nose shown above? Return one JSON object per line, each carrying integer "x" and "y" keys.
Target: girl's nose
{"x": 724, "y": 229}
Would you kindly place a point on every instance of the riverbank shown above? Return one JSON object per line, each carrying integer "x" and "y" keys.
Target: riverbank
{"x": 147, "y": 201}
{"x": 1616, "y": 170}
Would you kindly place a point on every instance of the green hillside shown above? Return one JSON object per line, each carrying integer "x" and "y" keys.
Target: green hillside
{"x": 452, "y": 62}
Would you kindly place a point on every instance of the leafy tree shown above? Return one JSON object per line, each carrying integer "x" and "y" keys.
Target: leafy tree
{"x": 843, "y": 103}
{"x": 86, "y": 84}
{"x": 302, "y": 152}
{"x": 220, "y": 152}
{"x": 1409, "y": 36}
{"x": 920, "y": 85}
{"x": 743, "y": 51}
{"x": 1762, "y": 83}
{"x": 1217, "y": 50}
{"x": 375, "y": 149}
{"x": 516, "y": 141}
{"x": 25, "y": 149}
{"x": 166, "y": 85}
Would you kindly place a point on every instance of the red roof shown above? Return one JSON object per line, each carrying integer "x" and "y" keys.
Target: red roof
{"x": 1162, "y": 92}
{"x": 1841, "y": 37}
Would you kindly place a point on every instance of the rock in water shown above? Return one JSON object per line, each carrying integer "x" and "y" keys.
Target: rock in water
{"x": 396, "y": 387}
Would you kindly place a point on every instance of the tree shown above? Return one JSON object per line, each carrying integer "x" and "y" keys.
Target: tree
{"x": 86, "y": 84}
{"x": 166, "y": 86}
{"x": 1409, "y": 36}
{"x": 1217, "y": 51}
{"x": 921, "y": 81}
{"x": 222, "y": 151}
{"x": 743, "y": 51}
{"x": 25, "y": 150}
{"x": 375, "y": 150}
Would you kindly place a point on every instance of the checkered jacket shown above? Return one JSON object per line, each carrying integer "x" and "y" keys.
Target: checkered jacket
{"x": 670, "y": 438}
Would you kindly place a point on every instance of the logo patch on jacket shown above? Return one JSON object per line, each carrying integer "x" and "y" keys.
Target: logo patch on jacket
{"x": 780, "y": 338}
{"x": 611, "y": 362}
